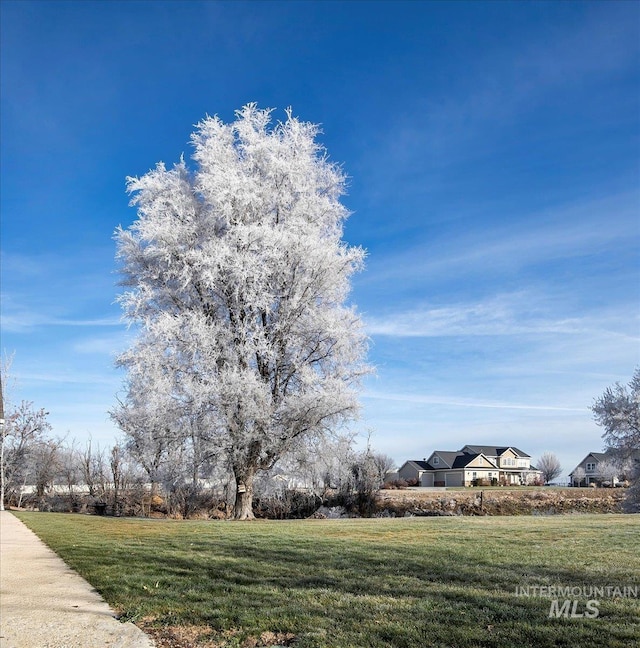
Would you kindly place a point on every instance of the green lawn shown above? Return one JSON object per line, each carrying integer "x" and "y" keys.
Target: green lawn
{"x": 338, "y": 583}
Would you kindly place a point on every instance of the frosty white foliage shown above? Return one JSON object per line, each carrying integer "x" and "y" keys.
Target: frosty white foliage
{"x": 549, "y": 466}
{"x": 618, "y": 412}
{"x": 237, "y": 276}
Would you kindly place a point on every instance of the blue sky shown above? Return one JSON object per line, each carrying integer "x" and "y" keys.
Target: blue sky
{"x": 493, "y": 151}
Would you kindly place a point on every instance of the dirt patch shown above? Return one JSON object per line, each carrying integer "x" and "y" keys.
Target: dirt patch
{"x": 202, "y": 637}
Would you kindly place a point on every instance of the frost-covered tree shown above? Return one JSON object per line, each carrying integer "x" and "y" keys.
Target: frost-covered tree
{"x": 149, "y": 420}
{"x": 44, "y": 464}
{"x": 618, "y": 412}
{"x": 93, "y": 469}
{"x": 579, "y": 475}
{"x": 609, "y": 470}
{"x": 24, "y": 431}
{"x": 549, "y": 466}
{"x": 238, "y": 280}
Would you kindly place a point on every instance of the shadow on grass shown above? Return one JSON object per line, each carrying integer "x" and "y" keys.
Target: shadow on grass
{"x": 457, "y": 589}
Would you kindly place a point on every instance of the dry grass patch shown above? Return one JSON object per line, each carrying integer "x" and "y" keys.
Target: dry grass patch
{"x": 200, "y": 637}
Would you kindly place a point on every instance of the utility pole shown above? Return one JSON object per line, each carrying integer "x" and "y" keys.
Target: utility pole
{"x": 2, "y": 438}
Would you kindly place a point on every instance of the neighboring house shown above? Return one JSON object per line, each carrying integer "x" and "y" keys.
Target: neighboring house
{"x": 413, "y": 470}
{"x": 472, "y": 465}
{"x": 391, "y": 476}
{"x": 598, "y": 468}
{"x": 586, "y": 472}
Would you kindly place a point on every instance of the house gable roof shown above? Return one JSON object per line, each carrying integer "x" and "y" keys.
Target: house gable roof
{"x": 448, "y": 457}
{"x": 457, "y": 459}
{"x": 420, "y": 465}
{"x": 494, "y": 451}
{"x": 468, "y": 458}
{"x": 597, "y": 456}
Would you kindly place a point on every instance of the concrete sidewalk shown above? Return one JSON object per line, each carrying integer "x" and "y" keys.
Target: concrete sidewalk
{"x": 45, "y": 604}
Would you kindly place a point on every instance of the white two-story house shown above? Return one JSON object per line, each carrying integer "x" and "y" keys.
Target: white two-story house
{"x": 472, "y": 465}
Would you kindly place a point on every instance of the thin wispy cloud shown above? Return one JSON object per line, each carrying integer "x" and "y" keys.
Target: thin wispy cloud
{"x": 103, "y": 321}
{"x": 509, "y": 314}
{"x": 73, "y": 376}
{"x": 465, "y": 402}
{"x": 562, "y": 233}
{"x": 48, "y": 290}
{"x": 108, "y": 345}
{"x": 25, "y": 321}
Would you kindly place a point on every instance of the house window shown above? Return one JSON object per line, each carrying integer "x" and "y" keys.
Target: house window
{"x": 590, "y": 467}
{"x": 435, "y": 461}
{"x": 508, "y": 461}
{"x": 480, "y": 461}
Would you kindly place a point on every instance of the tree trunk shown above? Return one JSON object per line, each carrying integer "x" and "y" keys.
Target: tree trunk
{"x": 243, "y": 507}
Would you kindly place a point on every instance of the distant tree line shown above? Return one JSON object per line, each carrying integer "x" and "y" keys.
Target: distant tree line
{"x": 174, "y": 477}
{"x": 179, "y": 476}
